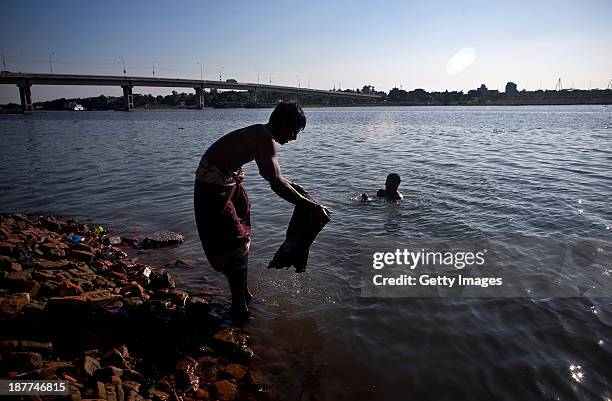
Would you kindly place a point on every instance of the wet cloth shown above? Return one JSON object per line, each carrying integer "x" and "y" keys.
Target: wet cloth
{"x": 305, "y": 225}
{"x": 222, "y": 213}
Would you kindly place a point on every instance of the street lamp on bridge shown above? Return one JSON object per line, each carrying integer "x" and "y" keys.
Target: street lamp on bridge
{"x": 155, "y": 62}
{"x": 50, "y": 63}
{"x": 220, "y": 69}
{"x": 123, "y": 61}
{"x": 201, "y": 72}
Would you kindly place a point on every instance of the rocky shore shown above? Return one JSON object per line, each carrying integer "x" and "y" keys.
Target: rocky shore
{"x": 75, "y": 307}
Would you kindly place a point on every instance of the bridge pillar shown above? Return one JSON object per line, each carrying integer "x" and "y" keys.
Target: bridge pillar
{"x": 199, "y": 98}
{"x": 128, "y": 98}
{"x": 25, "y": 94}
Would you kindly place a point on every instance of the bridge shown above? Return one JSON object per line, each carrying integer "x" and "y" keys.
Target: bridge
{"x": 24, "y": 82}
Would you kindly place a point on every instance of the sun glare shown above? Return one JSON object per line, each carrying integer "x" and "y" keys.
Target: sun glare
{"x": 460, "y": 61}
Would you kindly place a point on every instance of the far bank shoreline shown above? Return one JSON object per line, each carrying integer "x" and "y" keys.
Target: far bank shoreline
{"x": 312, "y": 106}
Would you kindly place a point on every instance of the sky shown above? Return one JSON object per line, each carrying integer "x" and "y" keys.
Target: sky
{"x": 433, "y": 45}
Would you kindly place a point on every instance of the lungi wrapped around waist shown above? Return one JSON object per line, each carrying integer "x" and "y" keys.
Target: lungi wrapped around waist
{"x": 223, "y": 215}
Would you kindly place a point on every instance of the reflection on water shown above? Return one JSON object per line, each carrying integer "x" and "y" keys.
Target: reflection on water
{"x": 466, "y": 172}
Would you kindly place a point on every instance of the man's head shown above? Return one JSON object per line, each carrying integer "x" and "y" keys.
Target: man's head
{"x": 393, "y": 182}
{"x": 286, "y": 121}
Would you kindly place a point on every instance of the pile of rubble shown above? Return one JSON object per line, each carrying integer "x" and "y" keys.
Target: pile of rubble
{"x": 75, "y": 307}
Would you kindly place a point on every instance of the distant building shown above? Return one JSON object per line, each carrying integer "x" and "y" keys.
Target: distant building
{"x": 368, "y": 89}
{"x": 482, "y": 91}
{"x": 511, "y": 88}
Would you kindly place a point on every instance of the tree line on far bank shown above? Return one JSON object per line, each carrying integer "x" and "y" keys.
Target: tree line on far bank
{"x": 398, "y": 96}
{"x": 186, "y": 100}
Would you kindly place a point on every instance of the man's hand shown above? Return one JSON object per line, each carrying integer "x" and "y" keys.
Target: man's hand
{"x": 313, "y": 204}
{"x": 326, "y": 211}
{"x": 285, "y": 190}
{"x": 299, "y": 189}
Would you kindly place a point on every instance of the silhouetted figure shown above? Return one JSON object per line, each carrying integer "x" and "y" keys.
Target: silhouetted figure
{"x": 222, "y": 207}
{"x": 391, "y": 184}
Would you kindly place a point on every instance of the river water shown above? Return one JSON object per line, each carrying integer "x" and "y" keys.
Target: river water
{"x": 466, "y": 171}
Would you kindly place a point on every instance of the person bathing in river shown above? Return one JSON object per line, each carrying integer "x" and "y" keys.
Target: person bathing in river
{"x": 221, "y": 204}
{"x": 390, "y": 191}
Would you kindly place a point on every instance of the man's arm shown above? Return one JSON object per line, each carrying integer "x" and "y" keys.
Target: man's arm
{"x": 270, "y": 170}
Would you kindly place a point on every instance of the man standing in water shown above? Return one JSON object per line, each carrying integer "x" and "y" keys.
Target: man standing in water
{"x": 222, "y": 208}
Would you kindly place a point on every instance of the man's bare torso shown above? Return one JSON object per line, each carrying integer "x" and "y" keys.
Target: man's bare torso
{"x": 240, "y": 147}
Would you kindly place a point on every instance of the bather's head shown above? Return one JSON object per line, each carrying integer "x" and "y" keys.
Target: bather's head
{"x": 392, "y": 183}
{"x": 286, "y": 121}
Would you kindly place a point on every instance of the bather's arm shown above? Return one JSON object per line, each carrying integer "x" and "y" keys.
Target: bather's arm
{"x": 270, "y": 171}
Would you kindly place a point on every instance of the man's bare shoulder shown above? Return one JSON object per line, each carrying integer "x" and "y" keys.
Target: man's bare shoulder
{"x": 241, "y": 146}
{"x": 263, "y": 139}
{"x": 260, "y": 130}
